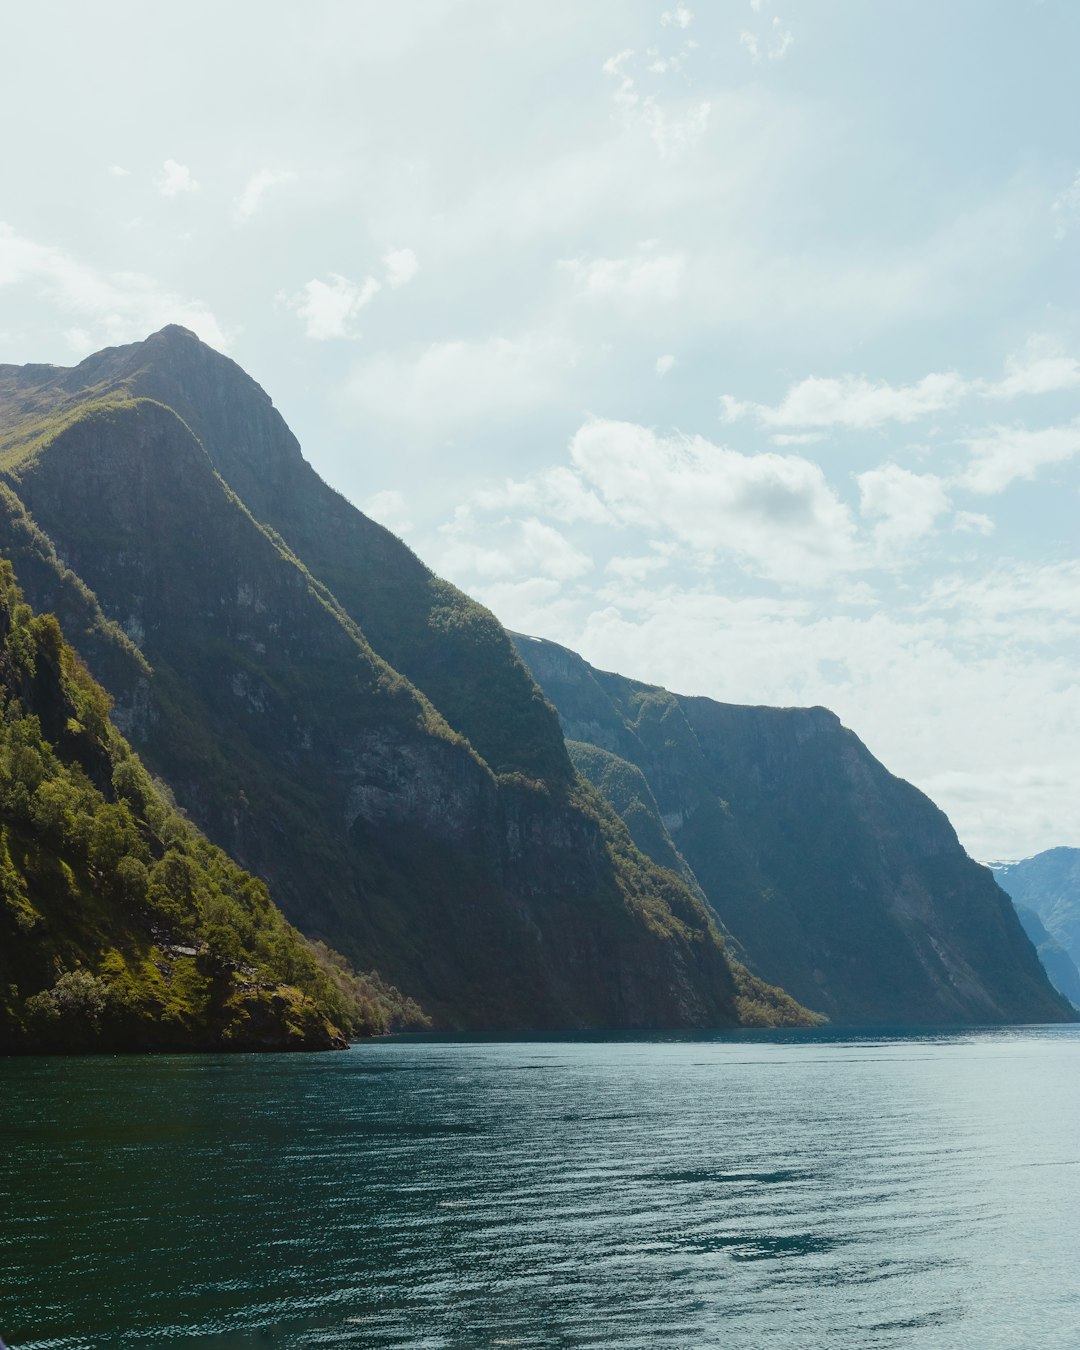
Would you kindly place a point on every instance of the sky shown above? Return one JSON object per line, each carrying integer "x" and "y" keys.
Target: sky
{"x": 734, "y": 345}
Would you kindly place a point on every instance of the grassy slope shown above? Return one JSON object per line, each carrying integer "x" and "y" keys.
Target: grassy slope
{"x": 120, "y": 925}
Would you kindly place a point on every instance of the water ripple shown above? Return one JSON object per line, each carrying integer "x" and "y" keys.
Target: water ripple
{"x": 676, "y": 1194}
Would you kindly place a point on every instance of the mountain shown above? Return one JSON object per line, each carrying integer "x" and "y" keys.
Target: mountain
{"x": 349, "y": 727}
{"x": 121, "y": 927}
{"x": 1048, "y": 883}
{"x": 837, "y": 880}
{"x": 1057, "y": 962}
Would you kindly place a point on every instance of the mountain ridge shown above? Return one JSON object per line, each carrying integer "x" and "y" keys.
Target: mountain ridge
{"x": 837, "y": 880}
{"x": 500, "y": 893}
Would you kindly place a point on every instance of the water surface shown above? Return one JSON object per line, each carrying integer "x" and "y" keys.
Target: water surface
{"x": 810, "y": 1190}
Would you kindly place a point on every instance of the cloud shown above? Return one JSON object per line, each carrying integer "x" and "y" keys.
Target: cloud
{"x": 904, "y": 505}
{"x": 401, "y": 266}
{"x": 773, "y": 44}
{"x": 389, "y": 509}
{"x": 673, "y": 127}
{"x": 775, "y": 513}
{"x": 557, "y": 492}
{"x": 1066, "y": 209}
{"x": 328, "y": 308}
{"x": 111, "y": 307}
{"x": 850, "y": 401}
{"x": 625, "y": 95}
{"x": 458, "y": 381}
{"x": 679, "y": 17}
{"x": 1020, "y": 604}
{"x": 636, "y": 568}
{"x": 527, "y": 548}
{"x": 255, "y": 189}
{"x": 175, "y": 179}
{"x": 860, "y": 404}
{"x": 665, "y": 364}
{"x": 1042, "y": 369}
{"x": 1004, "y": 454}
{"x": 641, "y": 280}
{"x": 117, "y": 171}
{"x": 972, "y": 522}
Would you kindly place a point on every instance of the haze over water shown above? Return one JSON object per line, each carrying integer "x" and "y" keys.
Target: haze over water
{"x": 808, "y": 1190}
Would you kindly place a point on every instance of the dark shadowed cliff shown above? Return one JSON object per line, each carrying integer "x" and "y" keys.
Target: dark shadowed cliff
{"x": 840, "y": 882}
{"x": 1049, "y": 884}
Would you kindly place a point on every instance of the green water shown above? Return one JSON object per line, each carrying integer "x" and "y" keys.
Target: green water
{"x": 808, "y": 1190}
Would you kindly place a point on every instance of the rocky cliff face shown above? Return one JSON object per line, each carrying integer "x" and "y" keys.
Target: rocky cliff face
{"x": 347, "y": 725}
{"x": 1048, "y": 883}
{"x": 1056, "y": 961}
{"x": 840, "y": 882}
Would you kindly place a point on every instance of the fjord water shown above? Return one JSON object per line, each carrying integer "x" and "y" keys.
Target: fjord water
{"x": 799, "y": 1190}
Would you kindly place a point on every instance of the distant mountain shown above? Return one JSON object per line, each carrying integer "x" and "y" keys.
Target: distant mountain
{"x": 121, "y": 927}
{"x": 839, "y": 881}
{"x": 1056, "y": 961}
{"x": 1048, "y": 883}
{"x": 350, "y": 727}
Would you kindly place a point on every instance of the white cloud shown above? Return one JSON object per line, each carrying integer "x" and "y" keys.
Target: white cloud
{"x": 637, "y": 280}
{"x": 1043, "y": 598}
{"x": 1042, "y": 369}
{"x": 775, "y": 513}
{"x": 673, "y": 127}
{"x": 973, "y": 522}
{"x": 175, "y": 179}
{"x": 401, "y": 266}
{"x": 625, "y": 94}
{"x": 117, "y": 171}
{"x": 447, "y": 383}
{"x": 255, "y": 189}
{"x": 904, "y": 505}
{"x": 861, "y": 404}
{"x": 557, "y": 492}
{"x": 636, "y": 568}
{"x": 79, "y": 340}
{"x": 1004, "y": 454}
{"x": 679, "y": 17}
{"x": 665, "y": 364}
{"x": 676, "y": 127}
{"x": 111, "y": 307}
{"x": 773, "y": 44}
{"x": 389, "y": 509}
{"x": 527, "y": 548}
{"x": 851, "y": 401}
{"x": 328, "y": 308}
{"x": 1066, "y": 209}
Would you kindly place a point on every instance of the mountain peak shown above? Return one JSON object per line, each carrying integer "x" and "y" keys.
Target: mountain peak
{"x": 172, "y": 331}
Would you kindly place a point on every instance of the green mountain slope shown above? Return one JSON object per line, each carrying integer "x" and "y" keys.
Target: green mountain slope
{"x": 121, "y": 927}
{"x": 840, "y": 882}
{"x": 350, "y": 728}
{"x": 1048, "y": 883}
